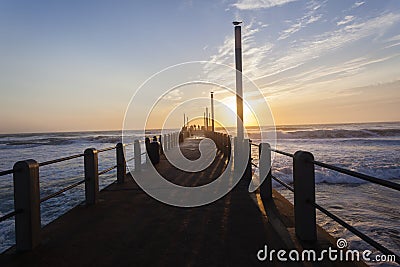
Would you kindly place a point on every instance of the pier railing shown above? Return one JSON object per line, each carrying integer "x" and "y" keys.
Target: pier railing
{"x": 27, "y": 190}
{"x": 304, "y": 192}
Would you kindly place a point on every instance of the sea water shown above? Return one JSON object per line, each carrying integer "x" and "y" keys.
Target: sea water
{"x": 372, "y": 148}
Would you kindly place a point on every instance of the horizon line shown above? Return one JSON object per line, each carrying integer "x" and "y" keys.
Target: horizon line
{"x": 155, "y": 129}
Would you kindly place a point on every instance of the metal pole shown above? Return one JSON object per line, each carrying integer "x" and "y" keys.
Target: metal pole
{"x": 206, "y": 119}
{"x": 239, "y": 83}
{"x": 212, "y": 111}
{"x": 204, "y": 114}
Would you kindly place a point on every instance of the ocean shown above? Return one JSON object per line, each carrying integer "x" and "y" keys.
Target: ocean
{"x": 370, "y": 148}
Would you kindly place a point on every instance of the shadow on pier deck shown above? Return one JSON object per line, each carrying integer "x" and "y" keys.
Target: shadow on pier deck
{"x": 129, "y": 228}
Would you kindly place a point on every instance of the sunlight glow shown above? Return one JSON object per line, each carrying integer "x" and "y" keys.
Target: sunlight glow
{"x": 248, "y": 116}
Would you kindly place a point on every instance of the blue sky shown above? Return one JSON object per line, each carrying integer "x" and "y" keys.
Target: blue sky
{"x": 73, "y": 65}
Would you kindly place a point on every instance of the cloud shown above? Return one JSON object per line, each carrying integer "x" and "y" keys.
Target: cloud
{"x": 253, "y": 54}
{"x": 174, "y": 95}
{"x": 259, "y": 4}
{"x": 346, "y": 20}
{"x": 308, "y": 50}
{"x": 357, "y": 4}
{"x": 309, "y": 18}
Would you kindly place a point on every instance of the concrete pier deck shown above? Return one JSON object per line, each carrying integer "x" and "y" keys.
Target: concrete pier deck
{"x": 129, "y": 228}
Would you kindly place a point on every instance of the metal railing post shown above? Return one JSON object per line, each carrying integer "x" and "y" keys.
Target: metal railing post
{"x": 264, "y": 152}
{"x": 138, "y": 157}
{"x": 91, "y": 176}
{"x": 304, "y": 195}
{"x": 121, "y": 164}
{"x": 27, "y": 200}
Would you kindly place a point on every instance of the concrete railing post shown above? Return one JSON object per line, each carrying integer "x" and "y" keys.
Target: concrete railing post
{"x": 161, "y": 139}
{"x": 121, "y": 164}
{"x": 304, "y": 194}
{"x": 229, "y": 147}
{"x": 264, "y": 164}
{"x": 91, "y": 176}
{"x": 138, "y": 157}
{"x": 27, "y": 200}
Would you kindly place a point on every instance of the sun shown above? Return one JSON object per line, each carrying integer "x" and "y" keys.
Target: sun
{"x": 249, "y": 117}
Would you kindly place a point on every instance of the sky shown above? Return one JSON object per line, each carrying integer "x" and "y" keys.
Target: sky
{"x": 74, "y": 65}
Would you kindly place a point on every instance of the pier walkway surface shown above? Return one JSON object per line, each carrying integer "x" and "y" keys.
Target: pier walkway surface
{"x": 129, "y": 228}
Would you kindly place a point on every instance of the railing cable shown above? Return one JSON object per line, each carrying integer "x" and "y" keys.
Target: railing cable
{"x": 60, "y": 160}
{"x": 361, "y": 176}
{"x": 108, "y": 170}
{"x": 105, "y": 149}
{"x": 61, "y": 191}
{"x": 356, "y": 232}
{"x": 6, "y": 172}
{"x": 282, "y": 183}
{"x": 9, "y": 215}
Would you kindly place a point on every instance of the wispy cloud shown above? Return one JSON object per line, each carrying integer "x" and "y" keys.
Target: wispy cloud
{"x": 259, "y": 4}
{"x": 345, "y": 20}
{"x": 357, "y": 4}
{"x": 315, "y": 47}
{"x": 309, "y": 18}
{"x": 283, "y": 71}
{"x": 174, "y": 95}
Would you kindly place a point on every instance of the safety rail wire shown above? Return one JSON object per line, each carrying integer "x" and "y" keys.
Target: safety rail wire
{"x": 361, "y": 176}
{"x": 283, "y": 152}
{"x": 9, "y": 215}
{"x": 356, "y": 232}
{"x": 61, "y": 191}
{"x": 277, "y": 151}
{"x": 130, "y": 159}
{"x": 2, "y": 173}
{"x": 106, "y": 149}
{"x": 283, "y": 183}
{"x": 108, "y": 170}
{"x": 60, "y": 160}
{"x": 277, "y": 179}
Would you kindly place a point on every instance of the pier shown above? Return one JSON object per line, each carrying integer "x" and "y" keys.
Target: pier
{"x": 122, "y": 225}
